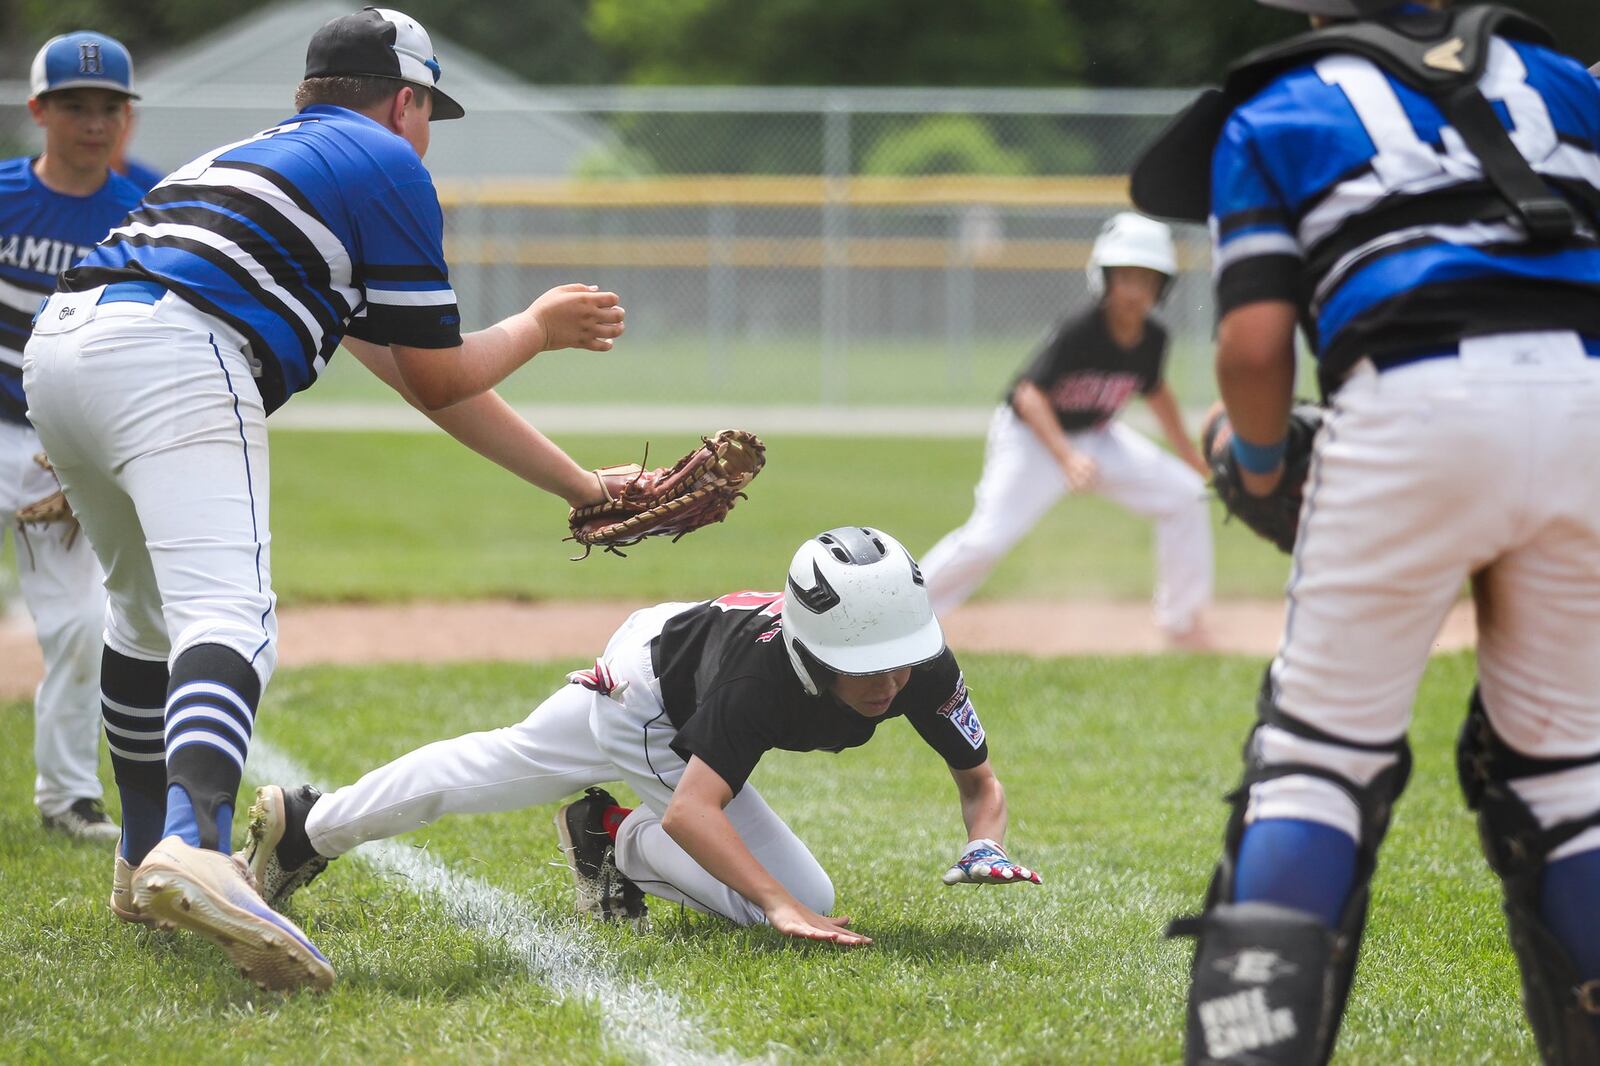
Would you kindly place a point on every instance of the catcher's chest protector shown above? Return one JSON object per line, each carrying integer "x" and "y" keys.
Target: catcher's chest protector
{"x": 1440, "y": 54}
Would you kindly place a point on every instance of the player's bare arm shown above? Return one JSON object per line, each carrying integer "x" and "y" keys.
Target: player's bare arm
{"x": 1164, "y": 405}
{"x": 568, "y": 316}
{"x": 492, "y": 428}
{"x": 983, "y": 801}
{"x": 696, "y": 821}
{"x": 1033, "y": 407}
{"x": 1255, "y": 377}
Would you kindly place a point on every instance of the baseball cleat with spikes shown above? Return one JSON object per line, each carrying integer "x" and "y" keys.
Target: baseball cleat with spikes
{"x": 121, "y": 902}
{"x": 210, "y": 893}
{"x": 279, "y": 854}
{"x": 603, "y": 892}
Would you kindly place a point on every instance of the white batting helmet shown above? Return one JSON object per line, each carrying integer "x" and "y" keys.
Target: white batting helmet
{"x": 1131, "y": 240}
{"x": 856, "y": 604}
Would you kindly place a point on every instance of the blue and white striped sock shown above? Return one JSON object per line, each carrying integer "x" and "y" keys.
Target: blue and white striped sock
{"x": 211, "y": 706}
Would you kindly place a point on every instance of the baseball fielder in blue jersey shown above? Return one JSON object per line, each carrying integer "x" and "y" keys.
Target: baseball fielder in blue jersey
{"x": 150, "y": 375}
{"x": 1419, "y": 188}
{"x": 53, "y": 209}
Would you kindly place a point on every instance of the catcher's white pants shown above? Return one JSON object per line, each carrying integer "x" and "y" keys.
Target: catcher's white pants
{"x": 575, "y": 739}
{"x": 1487, "y": 467}
{"x": 61, "y": 584}
{"x": 1022, "y": 480}
{"x": 158, "y": 433}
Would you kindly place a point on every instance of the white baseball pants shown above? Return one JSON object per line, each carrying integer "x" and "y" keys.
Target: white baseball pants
{"x": 572, "y": 740}
{"x": 61, "y": 585}
{"x": 158, "y": 433}
{"x": 1487, "y": 467}
{"x": 1021, "y": 481}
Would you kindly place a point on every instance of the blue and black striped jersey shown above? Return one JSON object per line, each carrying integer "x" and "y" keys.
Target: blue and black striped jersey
{"x": 42, "y": 233}
{"x": 1344, "y": 191}
{"x": 325, "y": 225}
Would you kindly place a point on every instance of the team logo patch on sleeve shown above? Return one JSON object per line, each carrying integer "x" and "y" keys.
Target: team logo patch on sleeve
{"x": 958, "y": 708}
{"x": 965, "y": 718}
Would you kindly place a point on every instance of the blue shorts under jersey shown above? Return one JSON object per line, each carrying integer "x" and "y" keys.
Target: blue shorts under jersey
{"x": 1345, "y": 192}
{"x": 42, "y": 233}
{"x": 325, "y": 225}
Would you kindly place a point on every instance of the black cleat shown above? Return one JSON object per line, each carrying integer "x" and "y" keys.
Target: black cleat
{"x": 279, "y": 854}
{"x": 604, "y": 894}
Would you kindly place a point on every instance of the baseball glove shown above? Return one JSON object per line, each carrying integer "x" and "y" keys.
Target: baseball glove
{"x": 697, "y": 490}
{"x": 52, "y": 508}
{"x": 1275, "y": 516}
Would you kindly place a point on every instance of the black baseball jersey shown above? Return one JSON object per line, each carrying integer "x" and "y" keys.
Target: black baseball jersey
{"x": 1087, "y": 376}
{"x": 730, "y": 690}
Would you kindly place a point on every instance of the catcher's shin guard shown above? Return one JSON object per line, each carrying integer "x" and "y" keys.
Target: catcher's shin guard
{"x": 1563, "y": 1009}
{"x": 1268, "y": 984}
{"x": 1259, "y": 988}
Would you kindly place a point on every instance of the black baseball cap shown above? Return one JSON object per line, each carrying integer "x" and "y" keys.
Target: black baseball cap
{"x": 379, "y": 43}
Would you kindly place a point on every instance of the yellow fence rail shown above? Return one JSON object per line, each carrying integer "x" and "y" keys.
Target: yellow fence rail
{"x": 1107, "y": 191}
{"x": 870, "y": 253}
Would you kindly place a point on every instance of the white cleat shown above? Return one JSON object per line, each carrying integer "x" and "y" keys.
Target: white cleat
{"x": 121, "y": 902}
{"x": 210, "y": 893}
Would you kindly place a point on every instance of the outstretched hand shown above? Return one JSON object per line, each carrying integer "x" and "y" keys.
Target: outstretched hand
{"x": 578, "y": 316}
{"x": 796, "y": 920}
{"x": 985, "y": 863}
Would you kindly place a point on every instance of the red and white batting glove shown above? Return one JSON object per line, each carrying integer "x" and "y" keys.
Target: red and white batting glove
{"x": 984, "y": 862}
{"x": 600, "y": 680}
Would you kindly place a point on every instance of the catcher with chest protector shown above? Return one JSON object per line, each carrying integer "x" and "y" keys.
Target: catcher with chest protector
{"x": 1420, "y": 188}
{"x": 681, "y": 706}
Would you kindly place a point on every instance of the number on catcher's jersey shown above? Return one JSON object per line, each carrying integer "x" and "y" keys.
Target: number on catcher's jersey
{"x": 1403, "y": 158}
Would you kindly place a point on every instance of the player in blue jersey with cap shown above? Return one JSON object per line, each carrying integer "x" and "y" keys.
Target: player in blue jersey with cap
{"x": 54, "y": 207}
{"x": 1419, "y": 189}
{"x": 150, "y": 375}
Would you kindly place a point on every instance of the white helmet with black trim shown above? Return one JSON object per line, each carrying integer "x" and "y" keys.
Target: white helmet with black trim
{"x": 1129, "y": 239}
{"x": 856, "y": 604}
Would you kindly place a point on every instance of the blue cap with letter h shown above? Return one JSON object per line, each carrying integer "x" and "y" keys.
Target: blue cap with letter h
{"x": 82, "y": 60}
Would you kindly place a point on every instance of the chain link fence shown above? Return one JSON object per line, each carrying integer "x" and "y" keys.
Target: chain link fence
{"x": 835, "y": 248}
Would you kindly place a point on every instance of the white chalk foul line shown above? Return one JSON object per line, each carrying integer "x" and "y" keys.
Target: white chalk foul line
{"x": 646, "y": 1022}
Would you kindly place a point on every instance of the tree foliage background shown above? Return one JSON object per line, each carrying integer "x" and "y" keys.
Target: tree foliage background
{"x": 790, "y": 42}
{"x": 1031, "y": 43}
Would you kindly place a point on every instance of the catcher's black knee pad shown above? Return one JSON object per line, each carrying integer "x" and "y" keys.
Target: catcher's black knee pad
{"x": 1268, "y": 984}
{"x": 1562, "y": 1010}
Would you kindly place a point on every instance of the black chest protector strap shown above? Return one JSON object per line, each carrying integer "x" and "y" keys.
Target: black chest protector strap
{"x": 1440, "y": 54}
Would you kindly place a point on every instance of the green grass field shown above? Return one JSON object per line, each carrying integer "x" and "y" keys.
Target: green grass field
{"x": 393, "y": 516}
{"x": 784, "y": 370}
{"x": 1113, "y": 769}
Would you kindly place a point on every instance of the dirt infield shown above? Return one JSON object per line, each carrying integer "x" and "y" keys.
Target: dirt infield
{"x": 458, "y": 632}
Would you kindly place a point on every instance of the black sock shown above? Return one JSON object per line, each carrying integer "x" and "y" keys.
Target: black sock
{"x": 133, "y": 698}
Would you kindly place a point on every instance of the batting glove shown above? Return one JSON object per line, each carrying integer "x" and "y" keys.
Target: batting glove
{"x": 985, "y": 863}
{"x": 600, "y": 680}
